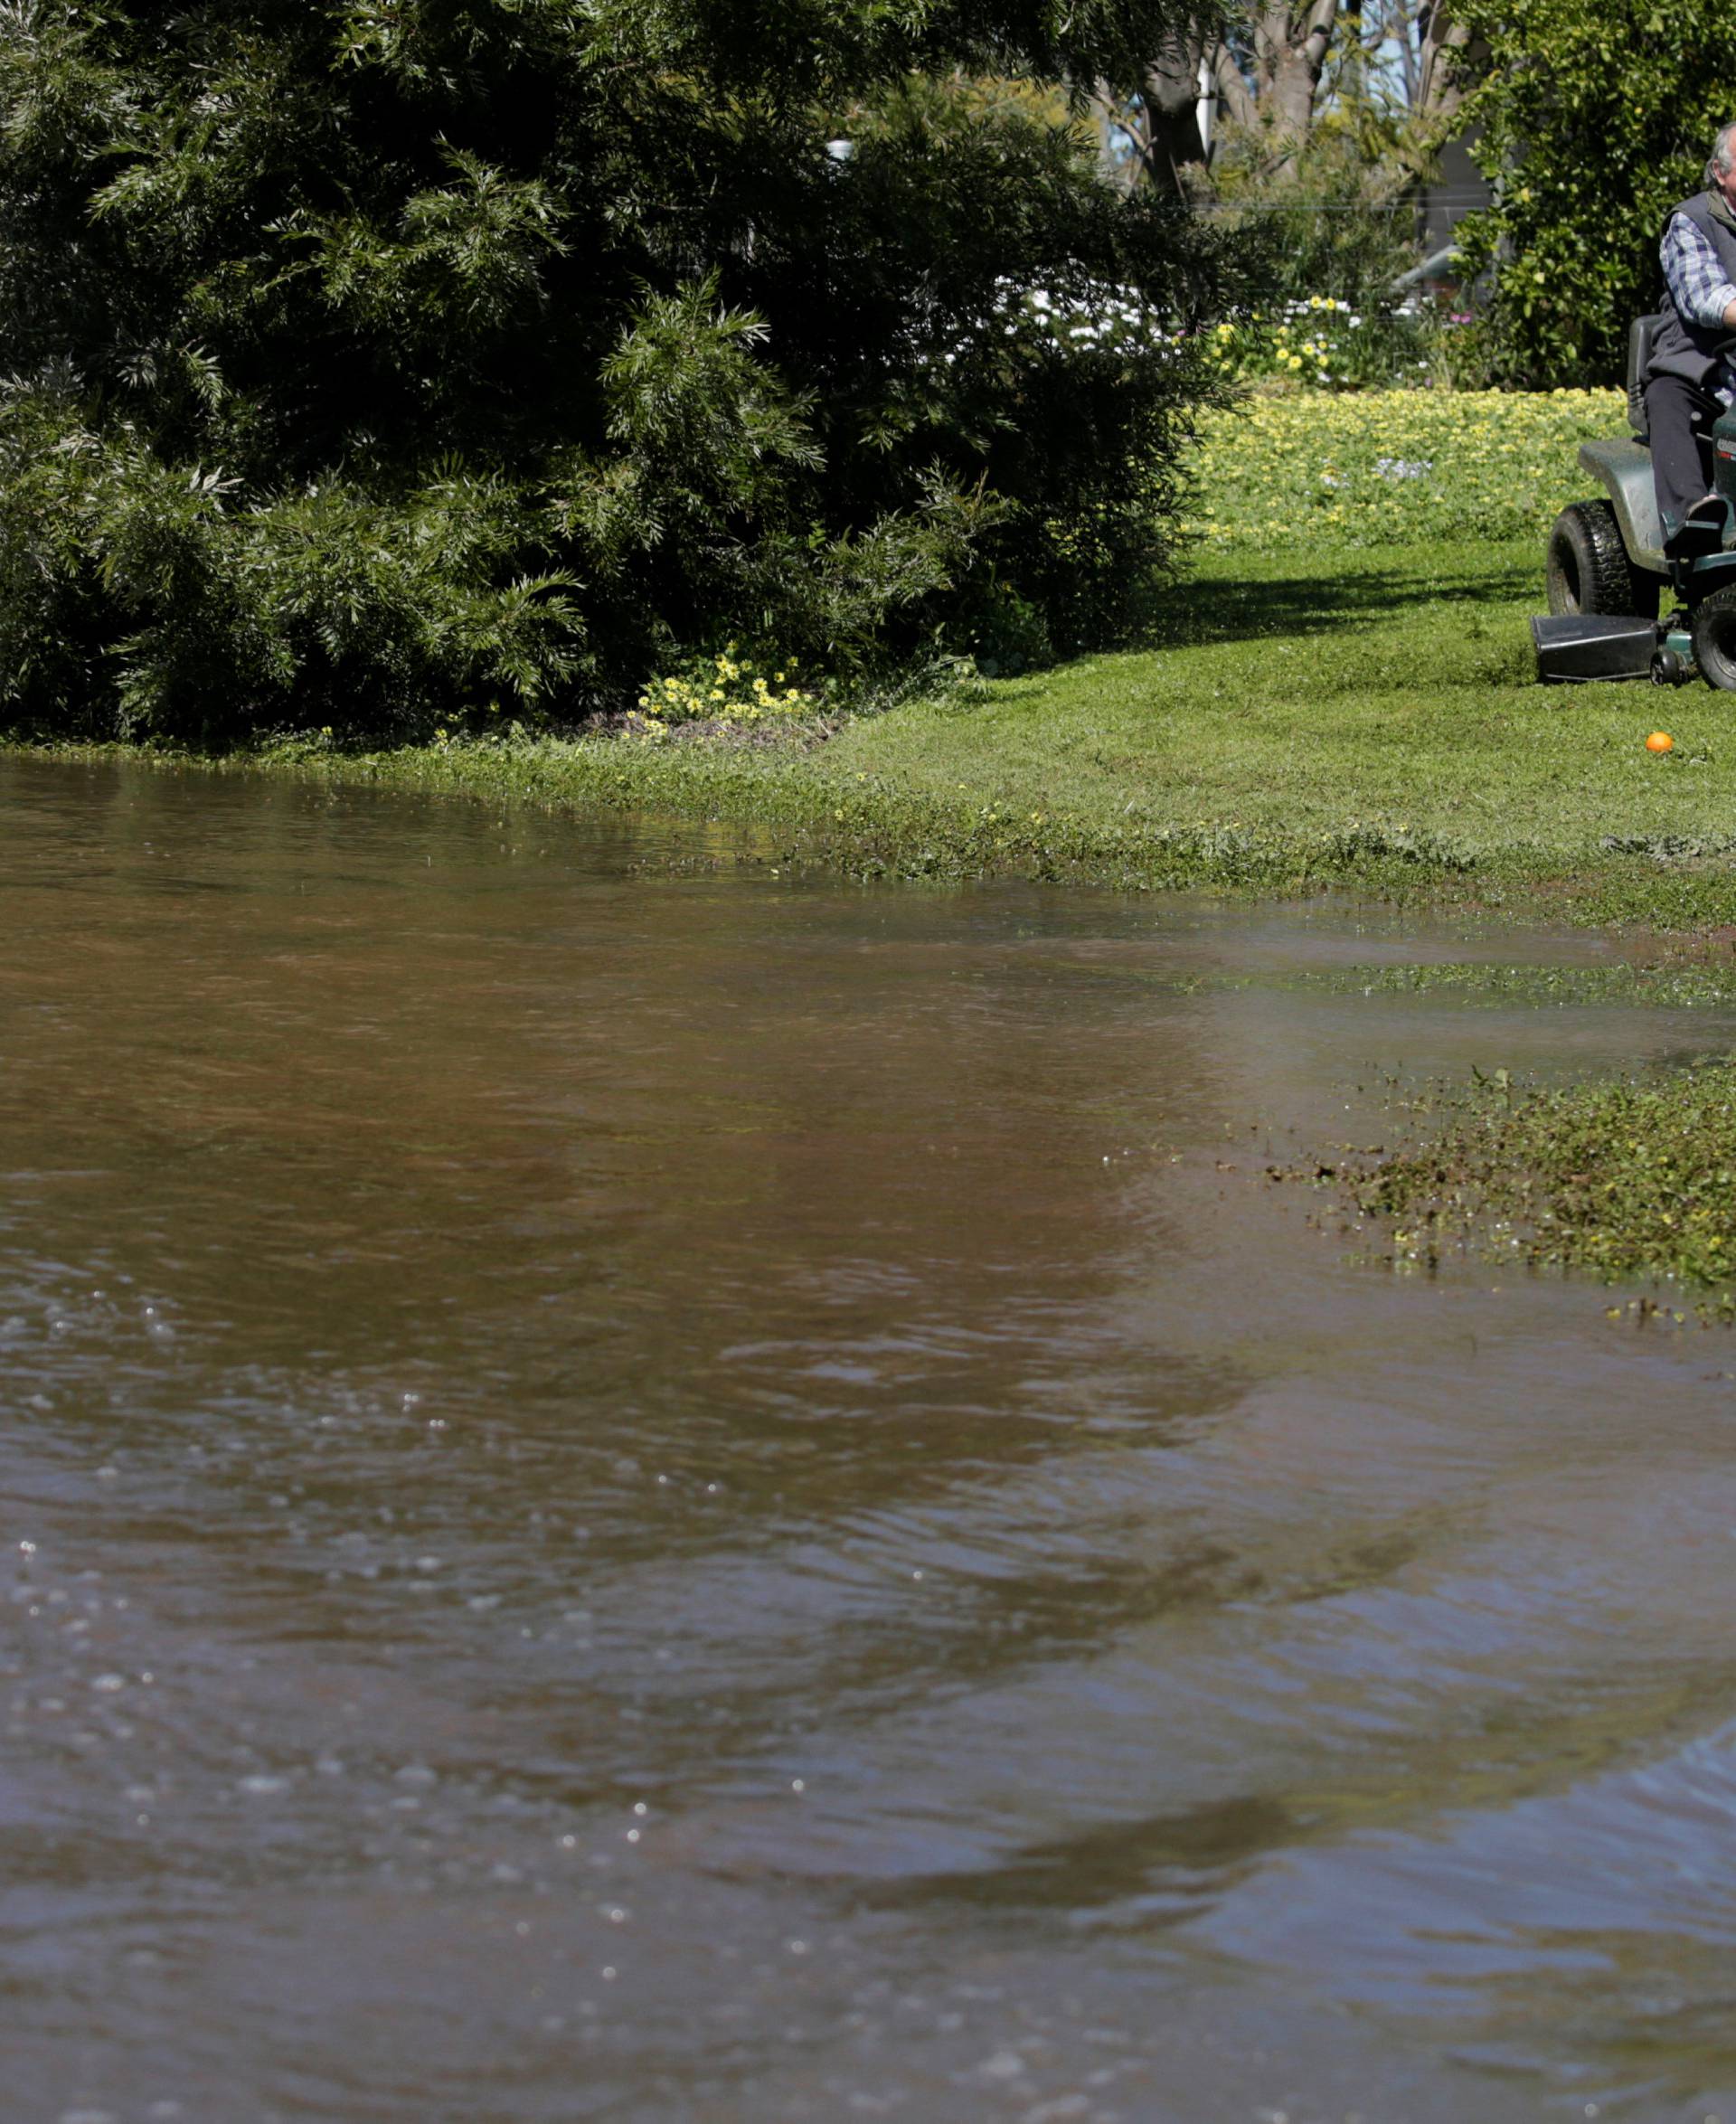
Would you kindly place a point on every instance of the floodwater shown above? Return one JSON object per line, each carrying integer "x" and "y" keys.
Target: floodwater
{"x": 655, "y": 1491}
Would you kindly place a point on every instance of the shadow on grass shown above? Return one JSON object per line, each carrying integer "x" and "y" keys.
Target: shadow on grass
{"x": 1224, "y": 606}
{"x": 1484, "y": 595}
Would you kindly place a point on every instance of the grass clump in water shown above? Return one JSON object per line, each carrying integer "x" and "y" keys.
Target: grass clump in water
{"x": 1634, "y": 1177}
{"x": 1689, "y": 986}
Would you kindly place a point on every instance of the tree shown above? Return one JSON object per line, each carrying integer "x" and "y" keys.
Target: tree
{"x": 1153, "y": 135}
{"x": 1262, "y": 66}
{"x": 1597, "y": 115}
{"x": 373, "y": 358}
{"x": 1438, "y": 52}
{"x": 1288, "y": 40}
{"x": 1406, "y": 58}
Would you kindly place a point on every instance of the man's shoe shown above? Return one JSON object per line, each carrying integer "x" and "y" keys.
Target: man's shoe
{"x": 1700, "y": 531}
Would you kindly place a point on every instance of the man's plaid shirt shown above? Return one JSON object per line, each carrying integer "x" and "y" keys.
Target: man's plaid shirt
{"x": 1698, "y": 285}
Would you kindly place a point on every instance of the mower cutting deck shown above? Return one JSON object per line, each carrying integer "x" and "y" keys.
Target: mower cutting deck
{"x": 1607, "y": 571}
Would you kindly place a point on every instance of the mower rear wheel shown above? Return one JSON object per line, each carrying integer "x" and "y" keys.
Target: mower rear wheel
{"x": 1714, "y": 638}
{"x": 1587, "y": 569}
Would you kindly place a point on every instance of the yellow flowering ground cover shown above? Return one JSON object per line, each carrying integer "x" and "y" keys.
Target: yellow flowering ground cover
{"x": 1393, "y": 467}
{"x": 729, "y": 689}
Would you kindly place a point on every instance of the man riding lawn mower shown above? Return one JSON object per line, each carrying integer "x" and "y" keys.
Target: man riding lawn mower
{"x": 1670, "y": 520}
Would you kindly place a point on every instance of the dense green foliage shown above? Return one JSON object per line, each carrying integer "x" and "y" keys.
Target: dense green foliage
{"x": 1337, "y": 222}
{"x": 372, "y": 361}
{"x": 1597, "y": 116}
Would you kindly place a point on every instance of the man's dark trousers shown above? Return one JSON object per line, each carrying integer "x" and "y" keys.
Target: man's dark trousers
{"x": 1679, "y": 417}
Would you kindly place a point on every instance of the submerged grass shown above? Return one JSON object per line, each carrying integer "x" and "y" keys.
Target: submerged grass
{"x": 1657, "y": 984}
{"x": 1631, "y": 1178}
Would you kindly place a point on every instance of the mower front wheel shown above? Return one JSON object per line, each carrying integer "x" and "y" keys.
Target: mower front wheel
{"x": 1587, "y": 568}
{"x": 1714, "y": 638}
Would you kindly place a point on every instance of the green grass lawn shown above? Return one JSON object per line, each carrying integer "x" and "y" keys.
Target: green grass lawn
{"x": 1344, "y": 685}
{"x": 1299, "y": 698}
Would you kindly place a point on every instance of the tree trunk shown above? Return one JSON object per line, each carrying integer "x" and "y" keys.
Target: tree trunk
{"x": 1235, "y": 98}
{"x": 1442, "y": 44}
{"x": 1165, "y": 124}
{"x": 1292, "y": 38}
{"x": 1172, "y": 98}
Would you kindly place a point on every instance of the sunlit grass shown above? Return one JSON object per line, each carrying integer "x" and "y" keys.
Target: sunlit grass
{"x": 1366, "y": 720}
{"x": 1318, "y": 715}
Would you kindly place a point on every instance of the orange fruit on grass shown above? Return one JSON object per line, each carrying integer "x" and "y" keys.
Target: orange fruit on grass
{"x": 1660, "y": 740}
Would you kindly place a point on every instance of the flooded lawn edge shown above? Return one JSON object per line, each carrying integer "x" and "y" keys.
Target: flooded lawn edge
{"x": 1627, "y": 1176}
{"x": 790, "y": 808}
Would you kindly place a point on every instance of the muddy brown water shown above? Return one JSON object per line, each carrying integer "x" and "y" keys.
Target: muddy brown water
{"x": 681, "y": 1494}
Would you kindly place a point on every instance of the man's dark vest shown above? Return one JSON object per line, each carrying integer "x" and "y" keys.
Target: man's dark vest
{"x": 1679, "y": 346}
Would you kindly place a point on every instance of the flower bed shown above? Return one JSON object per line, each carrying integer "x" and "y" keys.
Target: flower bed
{"x": 1322, "y": 342}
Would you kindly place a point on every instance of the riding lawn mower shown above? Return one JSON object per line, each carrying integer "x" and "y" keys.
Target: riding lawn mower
{"x": 1607, "y": 571}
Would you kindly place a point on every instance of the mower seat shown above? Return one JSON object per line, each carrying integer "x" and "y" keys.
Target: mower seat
{"x": 1640, "y": 334}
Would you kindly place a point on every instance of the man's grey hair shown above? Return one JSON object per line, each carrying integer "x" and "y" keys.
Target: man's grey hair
{"x": 1722, "y": 159}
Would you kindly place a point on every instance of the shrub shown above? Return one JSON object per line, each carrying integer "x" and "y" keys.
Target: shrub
{"x": 1322, "y": 341}
{"x": 1329, "y": 236}
{"x": 376, "y": 360}
{"x": 728, "y": 689}
{"x": 1594, "y": 117}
